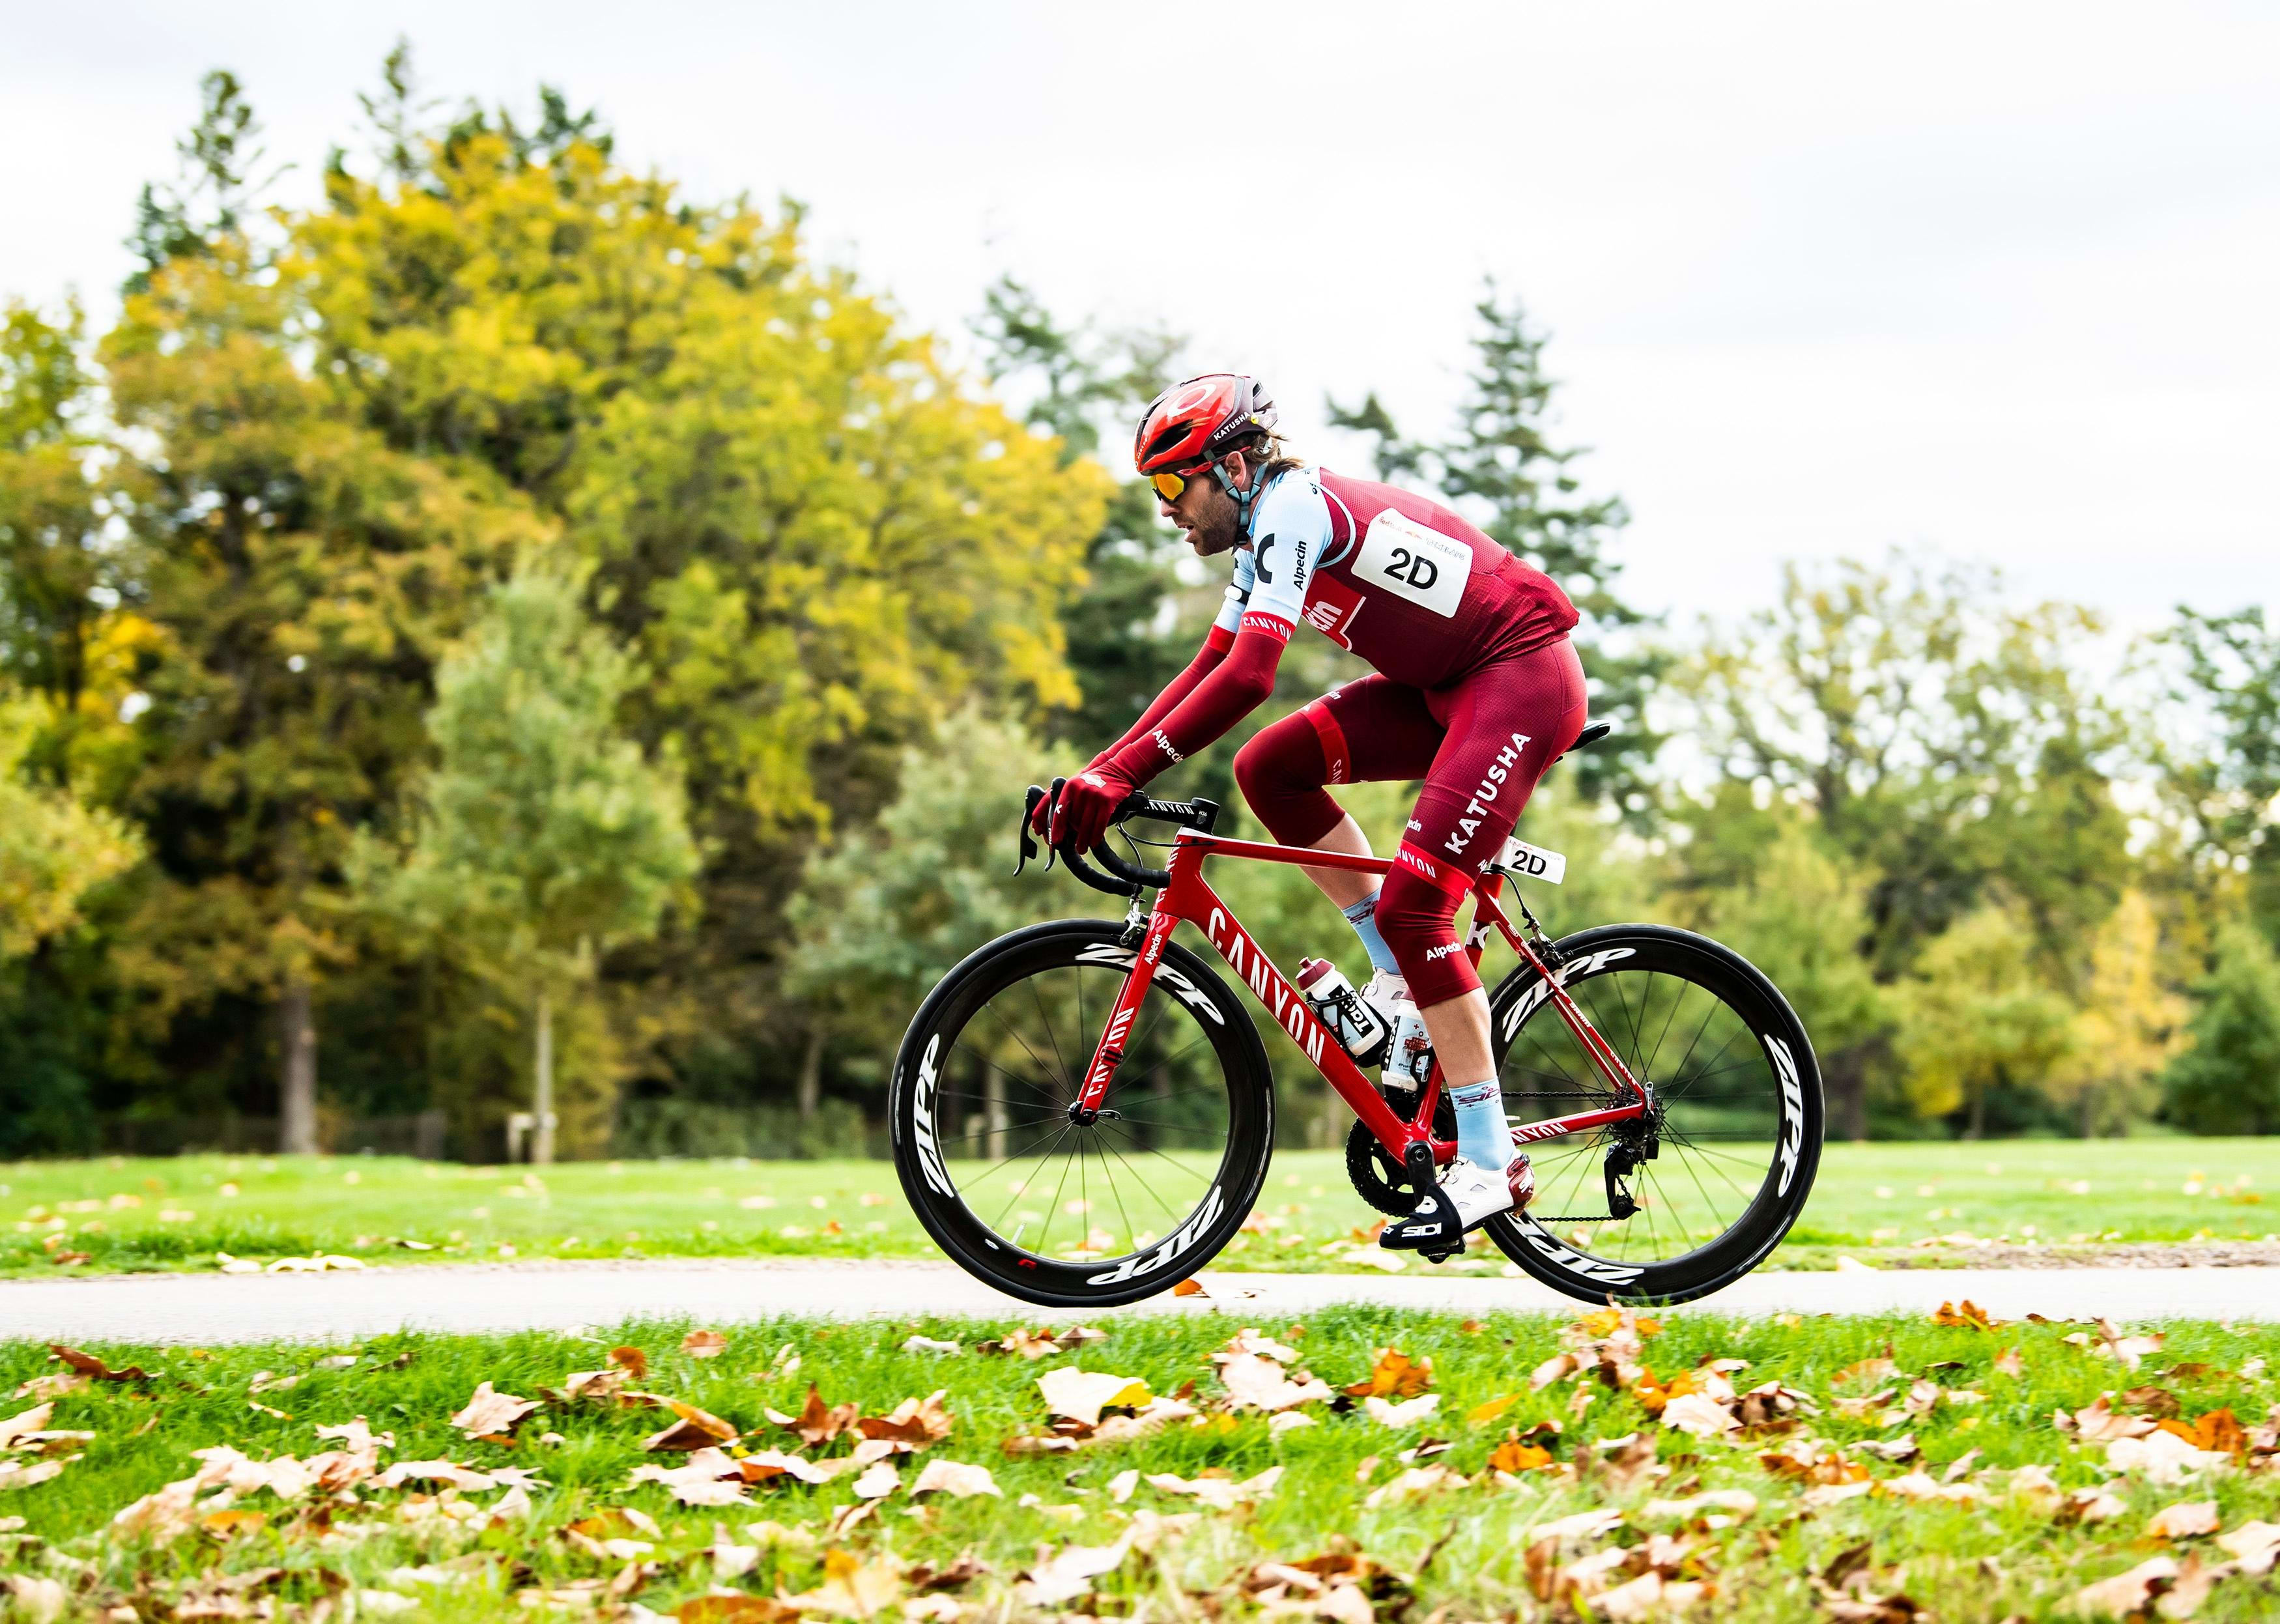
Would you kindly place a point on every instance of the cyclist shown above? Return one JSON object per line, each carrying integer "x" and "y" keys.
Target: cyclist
{"x": 1477, "y": 689}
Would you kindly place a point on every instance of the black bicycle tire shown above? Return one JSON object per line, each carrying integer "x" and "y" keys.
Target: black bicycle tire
{"x": 1053, "y": 1283}
{"x": 1747, "y": 1243}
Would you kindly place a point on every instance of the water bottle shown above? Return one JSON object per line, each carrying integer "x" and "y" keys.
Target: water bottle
{"x": 1409, "y": 1056}
{"x": 1358, "y": 1028}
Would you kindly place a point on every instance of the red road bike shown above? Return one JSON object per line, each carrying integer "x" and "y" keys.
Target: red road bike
{"x": 1083, "y": 1111}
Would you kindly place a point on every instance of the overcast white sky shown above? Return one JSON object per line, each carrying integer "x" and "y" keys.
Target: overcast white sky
{"x": 1822, "y": 278}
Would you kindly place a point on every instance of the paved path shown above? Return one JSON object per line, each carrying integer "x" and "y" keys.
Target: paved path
{"x": 214, "y": 1308}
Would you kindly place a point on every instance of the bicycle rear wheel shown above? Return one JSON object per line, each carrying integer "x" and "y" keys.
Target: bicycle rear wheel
{"x": 1022, "y": 1196}
{"x": 1717, "y": 1172}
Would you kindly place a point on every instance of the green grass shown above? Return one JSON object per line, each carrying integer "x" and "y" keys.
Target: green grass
{"x": 1871, "y": 1201}
{"x": 411, "y": 1384}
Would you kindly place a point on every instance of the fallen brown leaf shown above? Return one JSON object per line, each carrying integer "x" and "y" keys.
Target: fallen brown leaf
{"x": 492, "y": 1412}
{"x": 1188, "y": 1287}
{"x": 1394, "y": 1374}
{"x": 632, "y": 1360}
{"x": 2158, "y": 1402}
{"x": 1515, "y": 1456}
{"x": 703, "y": 1345}
{"x": 1481, "y": 1414}
{"x": 692, "y": 1430}
{"x": 222, "y": 1524}
{"x": 1967, "y": 1315}
{"x": 2218, "y": 1430}
{"x": 1870, "y": 1371}
{"x": 2126, "y": 1593}
{"x": 2008, "y": 1363}
{"x": 913, "y": 1424}
{"x": 951, "y": 1477}
{"x": 2186, "y": 1519}
{"x": 734, "y": 1607}
{"x": 24, "y": 1425}
{"x": 87, "y": 1364}
{"x": 818, "y": 1423}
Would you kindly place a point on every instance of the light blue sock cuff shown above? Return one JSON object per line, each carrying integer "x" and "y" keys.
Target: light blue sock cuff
{"x": 1363, "y": 917}
{"x": 1484, "y": 1138}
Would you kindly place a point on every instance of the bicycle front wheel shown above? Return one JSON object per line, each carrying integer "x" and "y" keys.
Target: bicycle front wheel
{"x": 1683, "y": 1202}
{"x": 1012, "y": 1186}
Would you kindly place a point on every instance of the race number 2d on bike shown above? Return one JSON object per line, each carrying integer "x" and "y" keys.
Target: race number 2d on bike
{"x": 1082, "y": 1114}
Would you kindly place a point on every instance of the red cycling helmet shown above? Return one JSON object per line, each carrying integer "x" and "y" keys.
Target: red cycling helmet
{"x": 1192, "y": 425}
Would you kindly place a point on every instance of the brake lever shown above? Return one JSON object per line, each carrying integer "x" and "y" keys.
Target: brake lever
{"x": 1029, "y": 841}
{"x": 1053, "y": 823}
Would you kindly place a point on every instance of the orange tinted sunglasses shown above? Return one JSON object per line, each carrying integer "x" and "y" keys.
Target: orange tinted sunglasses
{"x": 1169, "y": 486}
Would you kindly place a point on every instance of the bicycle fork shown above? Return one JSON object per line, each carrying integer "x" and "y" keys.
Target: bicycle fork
{"x": 1108, "y": 1054}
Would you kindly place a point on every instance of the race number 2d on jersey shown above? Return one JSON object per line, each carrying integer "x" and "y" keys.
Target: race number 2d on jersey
{"x": 1404, "y": 556}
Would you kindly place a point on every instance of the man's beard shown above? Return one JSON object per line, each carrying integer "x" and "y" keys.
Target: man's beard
{"x": 1209, "y": 543}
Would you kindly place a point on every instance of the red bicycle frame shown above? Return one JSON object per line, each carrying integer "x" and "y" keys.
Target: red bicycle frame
{"x": 1190, "y": 897}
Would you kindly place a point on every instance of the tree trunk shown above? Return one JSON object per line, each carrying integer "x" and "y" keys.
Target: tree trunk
{"x": 993, "y": 1096}
{"x": 2089, "y": 1106}
{"x": 811, "y": 1074}
{"x": 1977, "y": 1125}
{"x": 297, "y": 1041}
{"x": 1846, "y": 1078}
{"x": 542, "y": 1093}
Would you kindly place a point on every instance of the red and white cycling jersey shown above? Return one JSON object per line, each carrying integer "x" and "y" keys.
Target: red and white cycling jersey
{"x": 1403, "y": 582}
{"x": 1400, "y": 579}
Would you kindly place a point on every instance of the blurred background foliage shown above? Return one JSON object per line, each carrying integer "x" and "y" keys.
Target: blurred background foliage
{"x": 514, "y": 597}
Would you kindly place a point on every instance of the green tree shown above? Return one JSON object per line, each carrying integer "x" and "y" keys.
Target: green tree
{"x": 2227, "y": 1080}
{"x": 1503, "y": 469}
{"x": 216, "y": 186}
{"x": 2231, "y": 675}
{"x": 1976, "y": 1021}
{"x": 303, "y": 575}
{"x": 54, "y": 848}
{"x": 1942, "y": 740}
{"x": 1767, "y": 884}
{"x": 544, "y": 837}
{"x": 810, "y": 532}
{"x": 882, "y": 918}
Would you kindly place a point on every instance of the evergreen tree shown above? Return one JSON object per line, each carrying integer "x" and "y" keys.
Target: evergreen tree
{"x": 217, "y": 182}
{"x": 544, "y": 837}
{"x": 1503, "y": 469}
{"x": 2227, "y": 1079}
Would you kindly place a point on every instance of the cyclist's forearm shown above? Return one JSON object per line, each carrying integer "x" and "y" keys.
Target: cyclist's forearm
{"x": 1217, "y": 703}
{"x": 1206, "y": 661}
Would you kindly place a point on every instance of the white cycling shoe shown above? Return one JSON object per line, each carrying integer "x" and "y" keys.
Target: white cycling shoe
{"x": 1467, "y": 1195}
{"x": 1385, "y": 991}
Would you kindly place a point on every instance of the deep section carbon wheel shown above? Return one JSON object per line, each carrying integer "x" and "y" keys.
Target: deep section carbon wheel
{"x": 1005, "y": 1178}
{"x": 1688, "y": 1199}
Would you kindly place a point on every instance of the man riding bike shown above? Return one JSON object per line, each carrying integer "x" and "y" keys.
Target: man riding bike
{"x": 1477, "y": 690}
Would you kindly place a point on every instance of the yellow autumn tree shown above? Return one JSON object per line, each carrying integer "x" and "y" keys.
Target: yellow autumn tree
{"x": 807, "y": 531}
{"x": 2127, "y": 1029}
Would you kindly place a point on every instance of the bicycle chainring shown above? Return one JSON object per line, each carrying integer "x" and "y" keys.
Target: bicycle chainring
{"x": 1377, "y": 1178}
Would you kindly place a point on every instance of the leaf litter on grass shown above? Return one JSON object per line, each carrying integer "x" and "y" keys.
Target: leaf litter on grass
{"x": 1646, "y": 1518}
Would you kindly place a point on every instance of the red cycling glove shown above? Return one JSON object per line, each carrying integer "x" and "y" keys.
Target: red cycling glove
{"x": 1088, "y": 802}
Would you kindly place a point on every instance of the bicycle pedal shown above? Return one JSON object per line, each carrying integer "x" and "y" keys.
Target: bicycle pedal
{"x": 1439, "y": 1257}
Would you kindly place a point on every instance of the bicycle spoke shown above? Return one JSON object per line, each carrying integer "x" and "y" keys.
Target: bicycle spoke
{"x": 1052, "y": 1096}
{"x": 1038, "y": 998}
{"x": 1018, "y": 1038}
{"x": 1020, "y": 1186}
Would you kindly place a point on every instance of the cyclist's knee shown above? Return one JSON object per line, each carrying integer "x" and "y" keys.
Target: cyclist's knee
{"x": 1418, "y": 919}
{"x": 1280, "y": 774}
